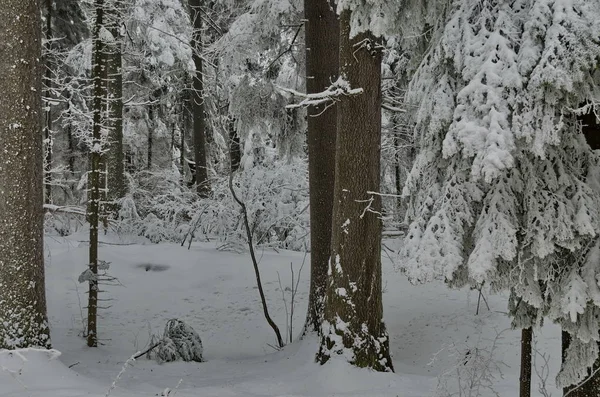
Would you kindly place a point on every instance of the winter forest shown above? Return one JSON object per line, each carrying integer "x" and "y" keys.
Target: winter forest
{"x": 300, "y": 198}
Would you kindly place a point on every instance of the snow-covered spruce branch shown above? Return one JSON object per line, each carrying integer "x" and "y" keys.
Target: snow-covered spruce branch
{"x": 339, "y": 88}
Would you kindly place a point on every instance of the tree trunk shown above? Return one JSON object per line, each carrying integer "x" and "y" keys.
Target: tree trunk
{"x": 150, "y": 135}
{"x": 99, "y": 75}
{"x": 525, "y": 378}
{"x": 235, "y": 151}
{"x": 23, "y": 321}
{"x": 70, "y": 143}
{"x": 398, "y": 172}
{"x": 115, "y": 167}
{"x": 48, "y": 113}
{"x": 201, "y": 177}
{"x": 322, "y": 34}
{"x": 353, "y": 325}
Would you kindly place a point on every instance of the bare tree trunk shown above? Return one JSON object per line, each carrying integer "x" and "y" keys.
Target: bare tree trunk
{"x": 115, "y": 167}
{"x": 201, "y": 177}
{"x": 99, "y": 75}
{"x": 150, "y": 135}
{"x": 322, "y": 34}
{"x": 235, "y": 152}
{"x": 525, "y": 378}
{"x": 353, "y": 323}
{"x": 23, "y": 321}
{"x": 70, "y": 143}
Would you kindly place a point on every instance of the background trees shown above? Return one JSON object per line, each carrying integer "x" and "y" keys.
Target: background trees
{"x": 22, "y": 294}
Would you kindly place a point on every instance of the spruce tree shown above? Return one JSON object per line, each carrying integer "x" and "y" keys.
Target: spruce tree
{"x": 502, "y": 191}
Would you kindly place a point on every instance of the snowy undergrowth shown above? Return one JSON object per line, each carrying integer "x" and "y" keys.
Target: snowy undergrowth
{"x": 161, "y": 209}
{"x": 214, "y": 292}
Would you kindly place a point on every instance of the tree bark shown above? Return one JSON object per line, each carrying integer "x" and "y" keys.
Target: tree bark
{"x": 99, "y": 76}
{"x": 150, "y": 135}
{"x": 525, "y": 378}
{"x": 235, "y": 151}
{"x": 353, "y": 325}
{"x": 23, "y": 321}
{"x": 201, "y": 177}
{"x": 115, "y": 178}
{"x": 322, "y": 32}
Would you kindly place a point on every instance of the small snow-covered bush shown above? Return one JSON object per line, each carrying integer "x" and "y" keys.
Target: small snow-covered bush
{"x": 179, "y": 342}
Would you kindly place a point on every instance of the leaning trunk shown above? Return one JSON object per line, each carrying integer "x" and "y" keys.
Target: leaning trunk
{"x": 322, "y": 68}
{"x": 22, "y": 292}
{"x": 353, "y": 325}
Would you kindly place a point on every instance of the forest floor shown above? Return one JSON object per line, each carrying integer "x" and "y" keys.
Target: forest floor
{"x": 434, "y": 331}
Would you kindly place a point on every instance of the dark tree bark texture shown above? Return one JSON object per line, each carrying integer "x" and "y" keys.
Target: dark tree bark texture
{"x": 201, "y": 176}
{"x": 353, "y": 323}
{"x": 322, "y": 33}
{"x": 22, "y": 291}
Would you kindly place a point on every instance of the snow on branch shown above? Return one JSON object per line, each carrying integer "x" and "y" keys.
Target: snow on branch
{"x": 66, "y": 209}
{"x": 339, "y": 88}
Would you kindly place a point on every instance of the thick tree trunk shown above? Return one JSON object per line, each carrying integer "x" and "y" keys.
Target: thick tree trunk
{"x": 99, "y": 75}
{"x": 115, "y": 167}
{"x": 322, "y": 68}
{"x": 525, "y": 378}
{"x": 353, "y": 325}
{"x": 201, "y": 176}
{"x": 22, "y": 293}
{"x": 48, "y": 113}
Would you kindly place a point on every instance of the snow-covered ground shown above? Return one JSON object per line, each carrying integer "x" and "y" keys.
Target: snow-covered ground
{"x": 431, "y": 329}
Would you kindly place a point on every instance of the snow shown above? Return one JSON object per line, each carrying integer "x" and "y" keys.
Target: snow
{"x": 215, "y": 293}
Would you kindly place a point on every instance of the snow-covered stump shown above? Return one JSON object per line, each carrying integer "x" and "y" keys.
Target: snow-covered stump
{"x": 179, "y": 342}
